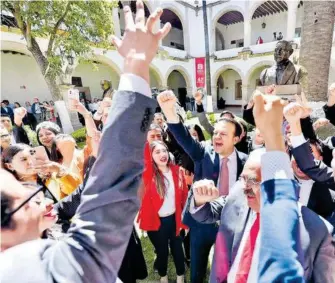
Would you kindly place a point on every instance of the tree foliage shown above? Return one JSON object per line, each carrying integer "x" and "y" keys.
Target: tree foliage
{"x": 70, "y": 27}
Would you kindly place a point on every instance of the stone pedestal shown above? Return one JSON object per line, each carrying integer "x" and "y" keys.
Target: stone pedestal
{"x": 69, "y": 119}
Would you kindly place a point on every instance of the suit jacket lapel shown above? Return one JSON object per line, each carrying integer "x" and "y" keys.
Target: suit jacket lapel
{"x": 289, "y": 72}
{"x": 239, "y": 230}
{"x": 239, "y": 165}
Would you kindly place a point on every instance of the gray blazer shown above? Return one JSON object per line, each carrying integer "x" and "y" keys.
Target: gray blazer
{"x": 97, "y": 240}
{"x": 316, "y": 241}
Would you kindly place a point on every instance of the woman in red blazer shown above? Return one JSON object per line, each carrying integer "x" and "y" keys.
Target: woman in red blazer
{"x": 165, "y": 193}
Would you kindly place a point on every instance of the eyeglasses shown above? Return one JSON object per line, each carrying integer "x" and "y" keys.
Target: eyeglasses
{"x": 38, "y": 188}
{"x": 4, "y": 136}
{"x": 250, "y": 181}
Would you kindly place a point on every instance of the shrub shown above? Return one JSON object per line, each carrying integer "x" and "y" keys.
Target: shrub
{"x": 79, "y": 135}
{"x": 189, "y": 115}
{"x": 211, "y": 118}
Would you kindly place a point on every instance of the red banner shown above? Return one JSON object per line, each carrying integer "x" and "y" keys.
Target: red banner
{"x": 200, "y": 72}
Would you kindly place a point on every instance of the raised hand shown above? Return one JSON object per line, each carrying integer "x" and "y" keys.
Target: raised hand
{"x": 293, "y": 112}
{"x": 167, "y": 101}
{"x": 204, "y": 191}
{"x": 302, "y": 100}
{"x": 19, "y": 114}
{"x": 321, "y": 122}
{"x": 268, "y": 114}
{"x": 140, "y": 43}
{"x": 76, "y": 105}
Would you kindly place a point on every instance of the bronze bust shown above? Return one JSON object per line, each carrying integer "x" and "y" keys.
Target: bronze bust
{"x": 283, "y": 72}
{"x": 106, "y": 86}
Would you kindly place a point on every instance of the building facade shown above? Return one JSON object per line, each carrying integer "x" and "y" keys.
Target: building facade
{"x": 242, "y": 37}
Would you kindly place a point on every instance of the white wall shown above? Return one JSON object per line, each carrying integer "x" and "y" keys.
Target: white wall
{"x": 91, "y": 78}
{"x": 175, "y": 35}
{"x": 228, "y": 93}
{"x": 274, "y": 23}
{"x": 231, "y": 32}
{"x": 18, "y": 71}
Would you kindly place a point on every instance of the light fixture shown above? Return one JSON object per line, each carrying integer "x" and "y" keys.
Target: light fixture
{"x": 263, "y": 25}
{"x": 196, "y": 3}
{"x": 70, "y": 59}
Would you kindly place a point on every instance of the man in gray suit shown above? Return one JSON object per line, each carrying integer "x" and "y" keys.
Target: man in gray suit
{"x": 238, "y": 214}
{"x": 98, "y": 238}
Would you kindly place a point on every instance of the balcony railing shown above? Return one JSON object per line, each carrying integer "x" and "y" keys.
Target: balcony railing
{"x": 228, "y": 53}
{"x": 175, "y": 52}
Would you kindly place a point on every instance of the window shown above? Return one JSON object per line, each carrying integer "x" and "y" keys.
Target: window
{"x": 76, "y": 81}
{"x": 238, "y": 90}
{"x": 297, "y": 32}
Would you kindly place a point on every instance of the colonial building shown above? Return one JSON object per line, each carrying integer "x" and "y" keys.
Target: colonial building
{"x": 242, "y": 37}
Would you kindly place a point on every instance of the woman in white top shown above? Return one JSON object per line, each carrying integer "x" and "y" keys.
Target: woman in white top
{"x": 165, "y": 194}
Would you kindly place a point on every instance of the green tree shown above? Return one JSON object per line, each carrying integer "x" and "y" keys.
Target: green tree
{"x": 70, "y": 29}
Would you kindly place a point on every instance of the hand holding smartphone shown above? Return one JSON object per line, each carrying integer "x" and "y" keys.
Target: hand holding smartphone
{"x": 73, "y": 95}
{"x": 41, "y": 155}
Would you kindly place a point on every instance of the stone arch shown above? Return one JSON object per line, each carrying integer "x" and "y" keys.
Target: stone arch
{"x": 158, "y": 75}
{"x": 225, "y": 68}
{"x": 256, "y": 4}
{"x": 227, "y": 9}
{"x": 183, "y": 71}
{"x": 179, "y": 14}
{"x": 256, "y": 66}
{"x": 15, "y": 46}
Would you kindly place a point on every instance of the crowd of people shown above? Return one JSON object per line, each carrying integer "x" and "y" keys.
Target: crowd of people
{"x": 261, "y": 190}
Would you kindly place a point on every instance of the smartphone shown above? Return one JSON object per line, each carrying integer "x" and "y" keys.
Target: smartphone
{"x": 41, "y": 155}
{"x": 73, "y": 94}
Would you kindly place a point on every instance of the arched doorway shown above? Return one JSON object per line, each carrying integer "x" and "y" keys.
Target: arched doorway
{"x": 155, "y": 79}
{"x": 177, "y": 83}
{"x": 229, "y": 31}
{"x": 229, "y": 88}
{"x": 133, "y": 9}
{"x": 175, "y": 38}
{"x": 254, "y": 79}
{"x": 269, "y": 22}
{"x": 88, "y": 75}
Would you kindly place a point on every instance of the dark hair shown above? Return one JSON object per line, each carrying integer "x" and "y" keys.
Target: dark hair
{"x": 48, "y": 126}
{"x": 226, "y": 112}
{"x": 159, "y": 177}
{"x": 9, "y": 153}
{"x": 238, "y": 127}
{"x": 17, "y": 104}
{"x": 46, "y": 102}
{"x": 6, "y": 206}
{"x": 55, "y": 154}
{"x": 196, "y": 128}
{"x": 5, "y": 101}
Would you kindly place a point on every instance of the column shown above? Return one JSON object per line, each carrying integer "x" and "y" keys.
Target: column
{"x": 212, "y": 103}
{"x": 247, "y": 32}
{"x": 291, "y": 21}
{"x": 186, "y": 34}
{"x": 116, "y": 21}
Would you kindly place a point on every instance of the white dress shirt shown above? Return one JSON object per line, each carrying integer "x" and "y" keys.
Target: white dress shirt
{"x": 252, "y": 278}
{"x": 169, "y": 204}
{"x": 305, "y": 190}
{"x": 232, "y": 169}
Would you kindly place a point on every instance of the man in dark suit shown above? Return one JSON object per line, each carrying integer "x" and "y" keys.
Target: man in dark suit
{"x": 99, "y": 236}
{"x": 316, "y": 179}
{"x": 6, "y": 109}
{"x": 219, "y": 162}
{"x": 17, "y": 133}
{"x": 238, "y": 214}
